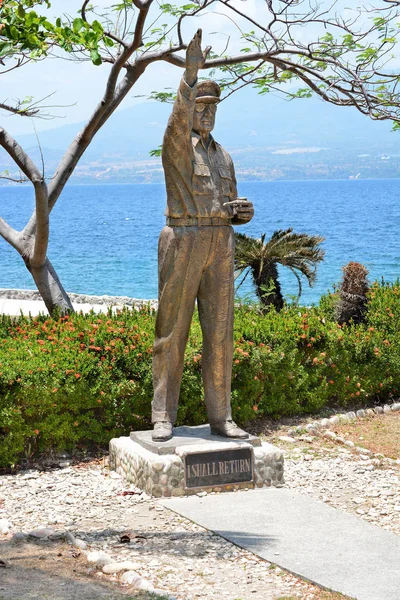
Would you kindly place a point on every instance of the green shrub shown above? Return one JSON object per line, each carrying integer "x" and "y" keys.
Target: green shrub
{"x": 73, "y": 381}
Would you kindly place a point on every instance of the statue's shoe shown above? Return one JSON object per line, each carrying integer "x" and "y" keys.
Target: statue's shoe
{"x": 228, "y": 429}
{"x": 162, "y": 431}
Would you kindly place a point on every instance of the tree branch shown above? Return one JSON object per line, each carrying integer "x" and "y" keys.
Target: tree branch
{"x": 41, "y": 216}
{"x": 42, "y": 225}
{"x": 19, "y": 156}
{"x": 83, "y": 139}
{"x": 107, "y": 33}
{"x": 18, "y": 111}
{"x": 8, "y": 233}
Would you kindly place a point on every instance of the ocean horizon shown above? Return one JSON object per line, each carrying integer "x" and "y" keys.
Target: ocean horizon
{"x": 104, "y": 237}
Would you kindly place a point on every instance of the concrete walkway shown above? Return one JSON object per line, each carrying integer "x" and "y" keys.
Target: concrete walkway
{"x": 36, "y": 307}
{"x": 324, "y": 545}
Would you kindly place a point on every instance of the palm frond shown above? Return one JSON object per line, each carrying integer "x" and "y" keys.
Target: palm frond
{"x": 300, "y": 252}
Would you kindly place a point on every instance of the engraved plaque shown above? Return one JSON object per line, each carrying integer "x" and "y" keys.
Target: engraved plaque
{"x": 219, "y": 467}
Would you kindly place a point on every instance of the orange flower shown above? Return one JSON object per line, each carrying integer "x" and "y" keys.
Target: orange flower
{"x": 77, "y": 375}
{"x": 255, "y": 408}
{"x": 36, "y": 431}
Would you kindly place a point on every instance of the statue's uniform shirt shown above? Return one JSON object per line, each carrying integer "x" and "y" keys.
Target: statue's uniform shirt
{"x": 198, "y": 180}
{"x": 194, "y": 262}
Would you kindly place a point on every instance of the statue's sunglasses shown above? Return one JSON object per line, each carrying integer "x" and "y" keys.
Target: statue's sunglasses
{"x": 201, "y": 107}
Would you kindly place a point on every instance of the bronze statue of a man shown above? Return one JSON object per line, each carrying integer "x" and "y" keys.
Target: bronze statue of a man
{"x": 196, "y": 254}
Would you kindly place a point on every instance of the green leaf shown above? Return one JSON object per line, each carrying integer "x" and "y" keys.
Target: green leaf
{"x": 78, "y": 24}
{"x": 95, "y": 56}
{"x": 5, "y": 49}
{"x": 21, "y": 11}
{"x": 156, "y": 151}
{"x": 97, "y": 27}
{"x": 14, "y": 32}
{"x": 108, "y": 41}
{"x": 27, "y": 100}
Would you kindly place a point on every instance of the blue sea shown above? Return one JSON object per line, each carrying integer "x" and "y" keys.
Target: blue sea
{"x": 104, "y": 237}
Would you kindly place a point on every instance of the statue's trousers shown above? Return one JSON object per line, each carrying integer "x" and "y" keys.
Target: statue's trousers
{"x": 194, "y": 263}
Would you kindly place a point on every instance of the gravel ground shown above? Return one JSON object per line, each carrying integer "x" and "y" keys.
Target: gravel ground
{"x": 346, "y": 480}
{"x": 172, "y": 553}
{"x": 166, "y": 551}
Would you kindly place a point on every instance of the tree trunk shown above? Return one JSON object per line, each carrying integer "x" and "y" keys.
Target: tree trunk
{"x": 50, "y": 288}
{"x": 268, "y": 278}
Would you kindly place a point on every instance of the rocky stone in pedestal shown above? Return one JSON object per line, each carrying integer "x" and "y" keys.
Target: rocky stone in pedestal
{"x": 195, "y": 460}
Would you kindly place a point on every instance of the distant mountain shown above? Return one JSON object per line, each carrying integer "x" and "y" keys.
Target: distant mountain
{"x": 268, "y": 137}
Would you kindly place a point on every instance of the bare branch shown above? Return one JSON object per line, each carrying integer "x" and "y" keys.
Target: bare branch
{"x": 22, "y": 112}
{"x": 19, "y": 156}
{"x": 83, "y": 10}
{"x": 20, "y": 180}
{"x": 42, "y": 209}
{"x": 8, "y": 233}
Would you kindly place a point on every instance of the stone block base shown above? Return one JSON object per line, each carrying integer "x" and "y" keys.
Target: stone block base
{"x": 162, "y": 475}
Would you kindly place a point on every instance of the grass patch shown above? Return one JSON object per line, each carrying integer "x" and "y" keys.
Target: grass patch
{"x": 380, "y": 434}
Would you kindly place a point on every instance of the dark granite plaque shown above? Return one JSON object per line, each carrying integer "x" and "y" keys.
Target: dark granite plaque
{"x": 218, "y": 468}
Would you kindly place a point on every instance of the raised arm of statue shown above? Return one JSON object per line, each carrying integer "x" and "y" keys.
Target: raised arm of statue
{"x": 195, "y": 58}
{"x": 177, "y": 135}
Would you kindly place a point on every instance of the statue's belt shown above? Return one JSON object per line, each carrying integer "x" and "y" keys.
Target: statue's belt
{"x": 200, "y": 221}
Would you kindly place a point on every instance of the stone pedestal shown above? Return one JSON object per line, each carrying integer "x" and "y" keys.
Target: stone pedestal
{"x": 195, "y": 460}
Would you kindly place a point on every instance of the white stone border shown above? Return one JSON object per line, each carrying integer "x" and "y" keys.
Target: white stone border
{"x": 340, "y": 418}
{"x": 322, "y": 428}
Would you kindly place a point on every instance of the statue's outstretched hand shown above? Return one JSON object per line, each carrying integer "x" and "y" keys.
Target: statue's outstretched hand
{"x": 195, "y": 56}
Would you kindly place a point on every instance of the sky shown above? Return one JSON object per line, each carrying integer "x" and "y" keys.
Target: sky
{"x": 76, "y": 88}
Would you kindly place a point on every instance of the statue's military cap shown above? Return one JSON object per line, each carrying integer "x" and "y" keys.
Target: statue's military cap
{"x": 208, "y": 92}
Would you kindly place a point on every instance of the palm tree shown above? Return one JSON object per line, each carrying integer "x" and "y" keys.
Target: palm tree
{"x": 299, "y": 252}
{"x": 353, "y": 292}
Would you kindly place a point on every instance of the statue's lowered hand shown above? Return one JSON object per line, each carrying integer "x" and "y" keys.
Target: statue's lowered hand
{"x": 242, "y": 210}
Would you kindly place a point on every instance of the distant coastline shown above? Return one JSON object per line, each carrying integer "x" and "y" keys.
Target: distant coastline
{"x": 96, "y": 182}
